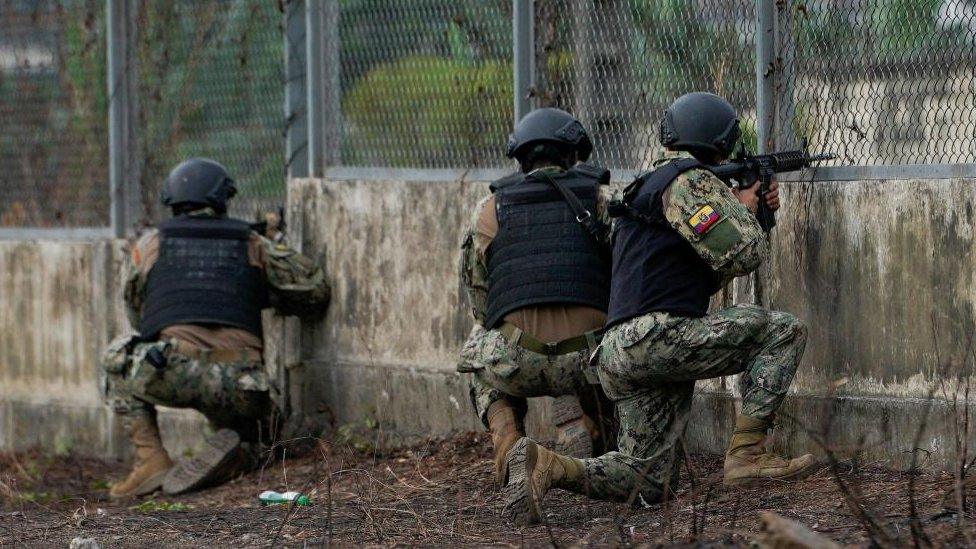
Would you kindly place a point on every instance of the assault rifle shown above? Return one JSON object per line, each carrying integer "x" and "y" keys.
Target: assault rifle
{"x": 746, "y": 168}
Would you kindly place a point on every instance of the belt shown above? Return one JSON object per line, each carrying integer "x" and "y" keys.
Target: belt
{"x": 190, "y": 350}
{"x": 572, "y": 345}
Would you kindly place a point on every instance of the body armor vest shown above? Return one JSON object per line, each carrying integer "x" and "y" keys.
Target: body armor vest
{"x": 654, "y": 268}
{"x": 203, "y": 276}
{"x": 542, "y": 255}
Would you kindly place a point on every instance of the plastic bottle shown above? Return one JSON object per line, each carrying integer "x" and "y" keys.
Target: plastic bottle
{"x": 270, "y": 497}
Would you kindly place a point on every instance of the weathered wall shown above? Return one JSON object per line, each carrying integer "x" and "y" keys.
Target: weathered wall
{"x": 878, "y": 269}
{"x": 59, "y": 305}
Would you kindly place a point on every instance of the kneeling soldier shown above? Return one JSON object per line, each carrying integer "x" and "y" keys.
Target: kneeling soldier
{"x": 536, "y": 266}
{"x": 195, "y": 291}
{"x": 684, "y": 235}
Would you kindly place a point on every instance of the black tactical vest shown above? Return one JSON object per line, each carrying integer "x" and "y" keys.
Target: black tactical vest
{"x": 542, "y": 255}
{"x": 654, "y": 268}
{"x": 203, "y": 276}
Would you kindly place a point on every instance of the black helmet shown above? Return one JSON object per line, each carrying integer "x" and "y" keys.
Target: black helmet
{"x": 700, "y": 121}
{"x": 199, "y": 182}
{"x": 549, "y": 125}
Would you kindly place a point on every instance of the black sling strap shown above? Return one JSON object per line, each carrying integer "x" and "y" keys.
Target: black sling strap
{"x": 584, "y": 217}
{"x": 668, "y": 172}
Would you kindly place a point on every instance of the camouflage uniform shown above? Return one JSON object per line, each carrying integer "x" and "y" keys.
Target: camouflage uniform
{"x": 235, "y": 394}
{"x": 649, "y": 365}
{"x": 500, "y": 369}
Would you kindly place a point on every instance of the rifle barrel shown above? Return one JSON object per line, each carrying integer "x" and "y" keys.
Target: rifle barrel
{"x": 822, "y": 157}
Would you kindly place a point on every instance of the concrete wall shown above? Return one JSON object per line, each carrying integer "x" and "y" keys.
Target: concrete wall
{"x": 880, "y": 270}
{"x": 60, "y": 303}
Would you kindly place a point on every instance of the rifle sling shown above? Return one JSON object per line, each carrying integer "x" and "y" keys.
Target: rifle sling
{"x": 585, "y": 217}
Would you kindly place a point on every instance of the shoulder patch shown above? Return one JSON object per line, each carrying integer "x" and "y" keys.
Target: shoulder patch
{"x": 704, "y": 219}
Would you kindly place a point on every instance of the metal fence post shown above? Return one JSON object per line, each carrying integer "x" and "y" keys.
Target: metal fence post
{"x": 754, "y": 288}
{"x": 123, "y": 166}
{"x": 784, "y": 134}
{"x": 296, "y": 102}
{"x": 324, "y": 94}
{"x": 765, "y": 73}
{"x": 523, "y": 53}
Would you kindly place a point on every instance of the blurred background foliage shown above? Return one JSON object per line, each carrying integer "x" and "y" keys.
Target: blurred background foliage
{"x": 424, "y": 83}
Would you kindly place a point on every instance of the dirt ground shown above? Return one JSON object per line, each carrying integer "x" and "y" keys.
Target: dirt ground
{"x": 440, "y": 493}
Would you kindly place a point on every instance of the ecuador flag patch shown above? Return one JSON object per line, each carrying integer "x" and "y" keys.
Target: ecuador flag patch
{"x": 704, "y": 219}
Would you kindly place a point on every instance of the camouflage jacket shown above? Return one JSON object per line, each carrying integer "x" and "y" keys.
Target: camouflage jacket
{"x": 735, "y": 245}
{"x": 473, "y": 267}
{"x": 296, "y": 284}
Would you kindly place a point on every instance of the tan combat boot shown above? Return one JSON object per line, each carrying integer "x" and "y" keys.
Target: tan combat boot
{"x": 532, "y": 470}
{"x": 574, "y": 430}
{"x": 506, "y": 429}
{"x": 747, "y": 459}
{"x": 151, "y": 461}
{"x": 222, "y": 457}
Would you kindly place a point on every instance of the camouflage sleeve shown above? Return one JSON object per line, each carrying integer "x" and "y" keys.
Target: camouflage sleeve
{"x": 607, "y": 194}
{"x": 133, "y": 293}
{"x": 723, "y": 231}
{"x": 297, "y": 286}
{"x": 134, "y": 289}
{"x": 472, "y": 268}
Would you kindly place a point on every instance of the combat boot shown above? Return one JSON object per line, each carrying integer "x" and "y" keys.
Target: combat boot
{"x": 505, "y": 428}
{"x": 151, "y": 462}
{"x": 574, "y": 431}
{"x": 532, "y": 471}
{"x": 221, "y": 458}
{"x": 747, "y": 459}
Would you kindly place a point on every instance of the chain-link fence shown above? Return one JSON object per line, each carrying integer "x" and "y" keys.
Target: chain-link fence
{"x": 881, "y": 82}
{"x": 211, "y": 83}
{"x": 617, "y": 64}
{"x": 429, "y": 84}
{"x": 426, "y": 84}
{"x": 53, "y": 131}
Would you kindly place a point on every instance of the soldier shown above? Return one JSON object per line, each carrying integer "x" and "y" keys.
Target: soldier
{"x": 536, "y": 265}
{"x": 194, "y": 291}
{"x": 685, "y": 235}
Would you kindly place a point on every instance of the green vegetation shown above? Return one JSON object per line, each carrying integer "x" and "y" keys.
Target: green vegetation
{"x": 153, "y": 506}
{"x": 212, "y": 84}
{"x": 425, "y": 83}
{"x": 457, "y": 110}
{"x": 883, "y": 32}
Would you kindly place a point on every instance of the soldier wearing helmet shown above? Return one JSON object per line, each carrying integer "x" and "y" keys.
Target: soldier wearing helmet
{"x": 195, "y": 290}
{"x": 683, "y": 235}
{"x": 536, "y": 266}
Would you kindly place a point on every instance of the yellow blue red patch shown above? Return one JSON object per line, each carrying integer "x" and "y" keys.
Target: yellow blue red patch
{"x": 704, "y": 219}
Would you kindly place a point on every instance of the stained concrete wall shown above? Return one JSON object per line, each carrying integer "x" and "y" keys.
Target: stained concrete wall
{"x": 60, "y": 303}
{"x": 880, "y": 270}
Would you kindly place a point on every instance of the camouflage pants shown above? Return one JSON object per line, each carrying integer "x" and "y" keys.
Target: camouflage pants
{"x": 649, "y": 366}
{"x": 234, "y": 395}
{"x": 501, "y": 370}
